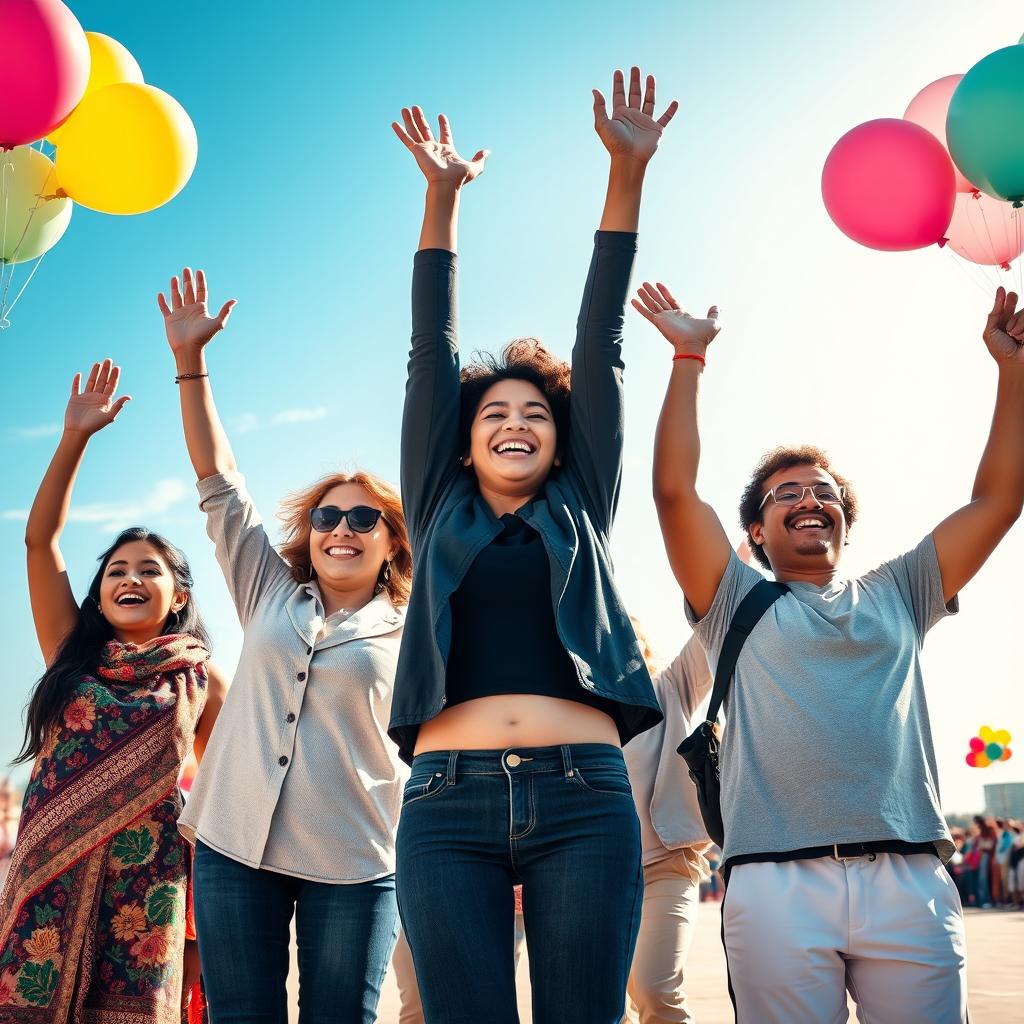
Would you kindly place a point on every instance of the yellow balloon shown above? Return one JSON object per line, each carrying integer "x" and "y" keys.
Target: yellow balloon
{"x": 1002, "y": 737}
{"x": 129, "y": 148}
{"x": 110, "y": 63}
{"x": 987, "y": 734}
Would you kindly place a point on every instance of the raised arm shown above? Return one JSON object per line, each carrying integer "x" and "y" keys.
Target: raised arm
{"x": 697, "y": 546}
{"x": 631, "y": 136}
{"x": 54, "y": 609}
{"x": 190, "y": 328}
{"x": 965, "y": 539}
{"x": 430, "y": 423}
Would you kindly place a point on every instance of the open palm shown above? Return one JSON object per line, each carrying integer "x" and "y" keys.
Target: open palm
{"x": 438, "y": 158}
{"x": 92, "y": 408}
{"x": 187, "y": 320}
{"x": 686, "y": 333}
{"x": 1004, "y": 329}
{"x": 632, "y": 130}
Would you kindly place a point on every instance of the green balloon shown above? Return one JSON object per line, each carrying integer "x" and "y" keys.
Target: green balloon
{"x": 993, "y": 751}
{"x": 985, "y": 124}
{"x": 29, "y": 224}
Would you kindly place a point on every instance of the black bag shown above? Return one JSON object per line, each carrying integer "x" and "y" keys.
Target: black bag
{"x": 700, "y": 749}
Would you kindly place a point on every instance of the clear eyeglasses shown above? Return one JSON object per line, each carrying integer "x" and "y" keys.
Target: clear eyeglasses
{"x": 793, "y": 494}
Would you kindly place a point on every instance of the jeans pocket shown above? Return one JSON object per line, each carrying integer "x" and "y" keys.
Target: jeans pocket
{"x": 606, "y": 779}
{"x": 419, "y": 787}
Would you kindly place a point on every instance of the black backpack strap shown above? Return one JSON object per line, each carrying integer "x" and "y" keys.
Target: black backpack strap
{"x": 763, "y": 595}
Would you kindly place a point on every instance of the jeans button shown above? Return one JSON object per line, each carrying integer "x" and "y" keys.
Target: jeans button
{"x": 513, "y": 760}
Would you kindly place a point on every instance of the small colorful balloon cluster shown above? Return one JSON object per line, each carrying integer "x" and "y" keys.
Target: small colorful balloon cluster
{"x": 989, "y": 746}
{"x": 122, "y": 146}
{"x": 951, "y": 170}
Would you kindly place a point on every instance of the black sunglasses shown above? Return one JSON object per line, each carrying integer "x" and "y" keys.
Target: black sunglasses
{"x": 361, "y": 519}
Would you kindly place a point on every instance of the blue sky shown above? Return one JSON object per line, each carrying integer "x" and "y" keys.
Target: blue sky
{"x": 306, "y": 208}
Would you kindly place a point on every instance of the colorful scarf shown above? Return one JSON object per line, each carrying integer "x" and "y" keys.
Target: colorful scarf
{"x": 92, "y": 922}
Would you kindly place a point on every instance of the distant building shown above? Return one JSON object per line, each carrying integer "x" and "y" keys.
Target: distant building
{"x": 1005, "y": 799}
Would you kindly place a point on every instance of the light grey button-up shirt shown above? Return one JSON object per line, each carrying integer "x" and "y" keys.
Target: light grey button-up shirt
{"x": 299, "y": 775}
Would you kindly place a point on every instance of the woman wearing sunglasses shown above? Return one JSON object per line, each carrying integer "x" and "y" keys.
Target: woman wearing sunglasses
{"x": 295, "y": 807}
{"x": 520, "y": 675}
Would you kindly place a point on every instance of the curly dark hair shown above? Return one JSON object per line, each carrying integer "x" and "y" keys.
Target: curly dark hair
{"x": 785, "y": 458}
{"x": 523, "y": 359}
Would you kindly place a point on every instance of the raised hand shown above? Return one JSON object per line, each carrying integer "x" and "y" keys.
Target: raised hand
{"x": 686, "y": 333}
{"x": 631, "y": 132}
{"x": 92, "y": 408}
{"x": 438, "y": 158}
{"x": 187, "y": 320}
{"x": 1004, "y": 329}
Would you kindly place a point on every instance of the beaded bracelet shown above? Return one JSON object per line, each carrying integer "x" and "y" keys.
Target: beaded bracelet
{"x": 189, "y": 376}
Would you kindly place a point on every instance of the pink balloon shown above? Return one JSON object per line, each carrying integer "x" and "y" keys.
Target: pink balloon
{"x": 976, "y": 744}
{"x": 888, "y": 184}
{"x": 986, "y": 231}
{"x": 972, "y": 759}
{"x": 928, "y": 109}
{"x": 43, "y": 71}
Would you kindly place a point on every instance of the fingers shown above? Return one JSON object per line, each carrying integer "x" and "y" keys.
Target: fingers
{"x": 189, "y": 289}
{"x": 176, "y": 302}
{"x": 118, "y": 406}
{"x": 162, "y": 303}
{"x": 713, "y": 313}
{"x": 90, "y": 384}
{"x": 634, "y": 87}
{"x": 667, "y": 297}
{"x": 618, "y": 90}
{"x": 669, "y": 114}
{"x": 201, "y": 292}
{"x": 410, "y": 125}
{"x": 648, "y": 107}
{"x": 421, "y": 123}
{"x": 998, "y": 304}
{"x": 651, "y": 299}
{"x": 642, "y": 310}
{"x": 406, "y": 139}
{"x": 225, "y": 311}
{"x": 102, "y": 376}
{"x": 600, "y": 109}
{"x": 111, "y": 385}
{"x": 446, "y": 130}
{"x": 76, "y": 383}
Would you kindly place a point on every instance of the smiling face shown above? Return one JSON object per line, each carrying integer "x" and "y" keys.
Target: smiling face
{"x": 138, "y": 592}
{"x": 513, "y": 439}
{"x": 345, "y": 561}
{"x": 807, "y": 537}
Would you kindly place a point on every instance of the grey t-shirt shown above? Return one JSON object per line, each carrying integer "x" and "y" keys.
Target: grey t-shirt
{"x": 827, "y": 737}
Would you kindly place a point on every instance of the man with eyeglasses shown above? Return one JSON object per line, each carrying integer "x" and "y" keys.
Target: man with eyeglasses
{"x": 834, "y": 837}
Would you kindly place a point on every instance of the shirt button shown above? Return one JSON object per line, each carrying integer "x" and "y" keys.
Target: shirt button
{"x": 290, "y": 717}
{"x": 282, "y": 760}
{"x": 309, "y": 650}
{"x": 301, "y": 676}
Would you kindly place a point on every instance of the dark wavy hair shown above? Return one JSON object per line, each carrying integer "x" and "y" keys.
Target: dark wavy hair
{"x": 523, "y": 359}
{"x": 80, "y": 652}
{"x": 770, "y": 464}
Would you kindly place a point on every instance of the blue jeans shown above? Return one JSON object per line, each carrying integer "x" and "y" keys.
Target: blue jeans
{"x": 345, "y": 936}
{"x": 561, "y": 820}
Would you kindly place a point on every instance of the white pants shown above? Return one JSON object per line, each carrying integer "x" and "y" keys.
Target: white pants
{"x": 890, "y": 929}
{"x": 667, "y": 922}
{"x": 411, "y": 1011}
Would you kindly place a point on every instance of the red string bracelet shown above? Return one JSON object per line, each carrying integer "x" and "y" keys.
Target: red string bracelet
{"x": 689, "y": 355}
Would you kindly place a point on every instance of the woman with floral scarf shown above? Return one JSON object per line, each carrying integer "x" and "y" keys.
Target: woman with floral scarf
{"x": 93, "y": 912}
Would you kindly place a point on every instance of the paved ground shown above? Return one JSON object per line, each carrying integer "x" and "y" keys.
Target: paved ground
{"x": 996, "y": 972}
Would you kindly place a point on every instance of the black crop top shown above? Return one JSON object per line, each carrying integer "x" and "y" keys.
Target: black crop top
{"x": 504, "y": 637}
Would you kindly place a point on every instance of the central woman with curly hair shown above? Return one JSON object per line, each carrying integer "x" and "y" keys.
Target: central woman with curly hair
{"x": 519, "y": 676}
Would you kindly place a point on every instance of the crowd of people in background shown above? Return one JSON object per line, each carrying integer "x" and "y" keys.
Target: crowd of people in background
{"x": 988, "y": 866}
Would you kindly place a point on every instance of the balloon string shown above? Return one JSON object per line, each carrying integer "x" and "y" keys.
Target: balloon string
{"x": 4, "y": 267}
{"x": 975, "y": 204}
{"x": 5, "y": 312}
{"x": 4, "y": 308}
{"x": 983, "y": 288}
{"x": 991, "y": 245}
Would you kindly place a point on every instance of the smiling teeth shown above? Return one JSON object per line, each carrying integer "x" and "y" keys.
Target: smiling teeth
{"x": 131, "y": 599}
{"x": 513, "y": 446}
{"x": 342, "y": 551}
{"x": 804, "y": 523}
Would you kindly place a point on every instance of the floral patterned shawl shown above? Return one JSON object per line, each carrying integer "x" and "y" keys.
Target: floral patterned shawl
{"x": 92, "y": 913}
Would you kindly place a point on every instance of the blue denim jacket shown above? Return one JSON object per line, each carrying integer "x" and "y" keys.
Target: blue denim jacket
{"x": 450, "y": 523}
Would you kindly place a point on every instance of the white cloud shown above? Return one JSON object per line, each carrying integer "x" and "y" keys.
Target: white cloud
{"x": 298, "y": 416}
{"x": 113, "y": 516}
{"x": 32, "y": 433}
